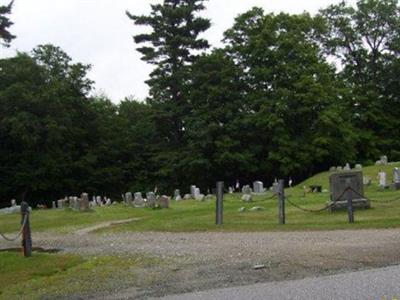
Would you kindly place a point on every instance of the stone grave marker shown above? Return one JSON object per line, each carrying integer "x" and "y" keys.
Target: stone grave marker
{"x": 382, "y": 178}
{"x": 358, "y": 167}
{"x": 247, "y": 197}
{"x": 339, "y": 182}
{"x": 138, "y": 200}
{"x": 151, "y": 199}
{"x": 347, "y": 167}
{"x": 13, "y": 202}
{"x": 164, "y": 201}
{"x": 258, "y": 187}
{"x": 128, "y": 198}
{"x": 193, "y": 191}
{"x": 84, "y": 202}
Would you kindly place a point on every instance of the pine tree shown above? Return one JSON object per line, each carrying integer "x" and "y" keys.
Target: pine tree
{"x": 5, "y": 36}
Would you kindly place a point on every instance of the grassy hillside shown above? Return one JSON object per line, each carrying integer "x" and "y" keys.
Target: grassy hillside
{"x": 200, "y": 216}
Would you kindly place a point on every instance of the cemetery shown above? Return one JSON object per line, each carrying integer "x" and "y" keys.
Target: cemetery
{"x": 199, "y": 149}
{"x": 63, "y": 228}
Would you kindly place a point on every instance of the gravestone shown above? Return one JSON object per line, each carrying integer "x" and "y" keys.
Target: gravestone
{"x": 347, "y": 167}
{"x": 230, "y": 190}
{"x": 164, "y": 201}
{"x": 192, "y": 191}
{"x": 151, "y": 199}
{"x": 138, "y": 200}
{"x": 258, "y": 187}
{"x": 128, "y": 198}
{"x": 198, "y": 195}
{"x": 275, "y": 187}
{"x": 187, "y": 197}
{"x": 384, "y": 160}
{"x": 13, "y": 202}
{"x": 332, "y": 169}
{"x": 60, "y": 203}
{"x": 338, "y": 184}
{"x": 382, "y": 178}
{"x": 339, "y": 168}
{"x": 53, "y": 206}
{"x": 108, "y": 202}
{"x": 84, "y": 202}
{"x": 396, "y": 175}
{"x": 247, "y": 197}
{"x": 358, "y": 167}
{"x": 177, "y": 195}
{"x": 246, "y": 189}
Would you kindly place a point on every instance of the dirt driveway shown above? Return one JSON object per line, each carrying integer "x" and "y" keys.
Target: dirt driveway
{"x": 201, "y": 261}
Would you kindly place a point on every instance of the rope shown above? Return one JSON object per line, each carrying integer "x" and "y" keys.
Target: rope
{"x": 18, "y": 234}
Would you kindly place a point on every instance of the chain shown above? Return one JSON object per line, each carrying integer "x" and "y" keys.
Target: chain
{"x": 18, "y": 234}
{"x": 309, "y": 210}
{"x": 373, "y": 200}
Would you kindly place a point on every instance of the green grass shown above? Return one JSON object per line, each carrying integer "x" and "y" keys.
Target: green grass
{"x": 55, "y": 275}
{"x": 188, "y": 216}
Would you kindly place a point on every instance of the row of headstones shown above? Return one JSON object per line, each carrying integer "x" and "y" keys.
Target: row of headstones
{"x": 347, "y": 167}
{"x": 151, "y": 200}
{"x": 383, "y": 182}
{"x": 82, "y": 203}
{"x": 258, "y": 187}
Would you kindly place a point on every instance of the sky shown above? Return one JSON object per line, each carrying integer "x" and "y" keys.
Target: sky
{"x": 98, "y": 32}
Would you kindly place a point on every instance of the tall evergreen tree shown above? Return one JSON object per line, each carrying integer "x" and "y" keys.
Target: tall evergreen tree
{"x": 172, "y": 46}
{"x": 5, "y": 36}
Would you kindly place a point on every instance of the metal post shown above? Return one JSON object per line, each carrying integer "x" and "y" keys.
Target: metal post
{"x": 219, "y": 206}
{"x": 281, "y": 191}
{"x": 26, "y": 231}
{"x": 350, "y": 210}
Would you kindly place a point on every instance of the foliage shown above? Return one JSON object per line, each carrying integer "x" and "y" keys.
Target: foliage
{"x": 286, "y": 96}
{"x": 5, "y": 36}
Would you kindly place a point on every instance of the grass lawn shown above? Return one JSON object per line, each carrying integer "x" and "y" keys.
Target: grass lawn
{"x": 55, "y": 275}
{"x": 200, "y": 216}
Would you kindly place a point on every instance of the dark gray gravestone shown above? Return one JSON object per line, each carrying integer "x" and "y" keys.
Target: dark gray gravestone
{"x": 339, "y": 182}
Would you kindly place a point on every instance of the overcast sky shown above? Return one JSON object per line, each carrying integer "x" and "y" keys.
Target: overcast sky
{"x": 97, "y": 32}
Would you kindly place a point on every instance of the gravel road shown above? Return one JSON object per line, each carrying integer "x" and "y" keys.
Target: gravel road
{"x": 210, "y": 260}
{"x": 372, "y": 284}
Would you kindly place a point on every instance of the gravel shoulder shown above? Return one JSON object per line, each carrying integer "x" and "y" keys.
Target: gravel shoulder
{"x": 207, "y": 260}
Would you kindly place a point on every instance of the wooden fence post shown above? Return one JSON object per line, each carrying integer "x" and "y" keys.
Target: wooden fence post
{"x": 26, "y": 231}
{"x": 281, "y": 191}
{"x": 220, "y": 205}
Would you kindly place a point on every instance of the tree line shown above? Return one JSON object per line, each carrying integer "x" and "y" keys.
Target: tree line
{"x": 286, "y": 95}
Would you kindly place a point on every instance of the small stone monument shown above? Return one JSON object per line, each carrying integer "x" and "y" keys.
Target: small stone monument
{"x": 382, "y": 178}
{"x": 193, "y": 191}
{"x": 128, "y": 198}
{"x": 231, "y": 190}
{"x": 138, "y": 201}
{"x": 151, "y": 199}
{"x": 332, "y": 169}
{"x": 339, "y": 182}
{"x": 247, "y": 197}
{"x": 339, "y": 168}
{"x": 177, "y": 195}
{"x": 258, "y": 187}
{"x": 198, "y": 195}
{"x": 60, "y": 203}
{"x": 53, "y": 205}
{"x": 358, "y": 167}
{"x": 187, "y": 197}
{"x": 347, "y": 167}
{"x": 13, "y": 203}
{"x": 84, "y": 202}
{"x": 164, "y": 201}
{"x": 275, "y": 187}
